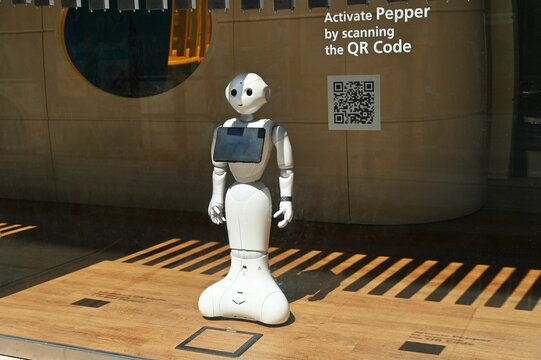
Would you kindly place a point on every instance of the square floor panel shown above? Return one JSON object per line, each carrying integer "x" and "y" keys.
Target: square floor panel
{"x": 217, "y": 341}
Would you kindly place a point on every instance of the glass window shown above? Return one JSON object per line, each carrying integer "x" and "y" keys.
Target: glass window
{"x": 270, "y": 179}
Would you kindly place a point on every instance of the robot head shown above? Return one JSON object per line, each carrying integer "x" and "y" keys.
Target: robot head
{"x": 247, "y": 93}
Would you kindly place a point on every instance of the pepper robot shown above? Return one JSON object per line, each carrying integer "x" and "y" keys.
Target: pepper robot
{"x": 244, "y": 145}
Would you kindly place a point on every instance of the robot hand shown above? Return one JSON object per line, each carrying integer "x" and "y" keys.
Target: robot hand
{"x": 216, "y": 213}
{"x": 286, "y": 209}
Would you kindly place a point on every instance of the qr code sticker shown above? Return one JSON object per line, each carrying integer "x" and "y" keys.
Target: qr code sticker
{"x": 354, "y": 102}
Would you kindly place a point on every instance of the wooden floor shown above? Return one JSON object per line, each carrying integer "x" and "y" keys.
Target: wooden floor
{"x": 353, "y": 306}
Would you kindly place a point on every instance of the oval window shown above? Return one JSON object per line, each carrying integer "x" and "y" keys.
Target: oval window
{"x": 137, "y": 53}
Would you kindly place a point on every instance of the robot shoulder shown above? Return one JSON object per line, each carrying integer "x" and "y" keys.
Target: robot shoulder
{"x": 278, "y": 133}
{"x": 229, "y": 123}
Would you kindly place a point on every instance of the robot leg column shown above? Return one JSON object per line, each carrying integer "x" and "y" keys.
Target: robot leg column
{"x": 249, "y": 290}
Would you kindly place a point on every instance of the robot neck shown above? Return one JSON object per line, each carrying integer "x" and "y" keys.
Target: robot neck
{"x": 247, "y": 117}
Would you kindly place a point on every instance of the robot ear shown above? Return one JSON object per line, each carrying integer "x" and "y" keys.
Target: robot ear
{"x": 267, "y": 93}
{"x": 227, "y": 91}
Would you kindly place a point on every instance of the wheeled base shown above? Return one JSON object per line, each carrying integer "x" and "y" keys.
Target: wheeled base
{"x": 248, "y": 292}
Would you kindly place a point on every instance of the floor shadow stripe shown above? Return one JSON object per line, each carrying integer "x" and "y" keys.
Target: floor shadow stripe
{"x": 288, "y": 260}
{"x": 358, "y": 265}
{"x": 478, "y": 286}
{"x": 179, "y": 262}
{"x": 503, "y": 293}
{"x": 217, "y": 268}
{"x": 207, "y": 261}
{"x": 449, "y": 284}
{"x": 394, "y": 279}
{"x": 336, "y": 261}
{"x": 422, "y": 280}
{"x": 371, "y": 275}
{"x": 531, "y": 298}
{"x": 309, "y": 262}
{"x": 172, "y": 254}
{"x": 153, "y": 252}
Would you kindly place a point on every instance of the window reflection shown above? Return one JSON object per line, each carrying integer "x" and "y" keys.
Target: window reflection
{"x": 137, "y": 53}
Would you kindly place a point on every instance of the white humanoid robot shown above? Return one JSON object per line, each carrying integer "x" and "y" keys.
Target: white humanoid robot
{"x": 244, "y": 145}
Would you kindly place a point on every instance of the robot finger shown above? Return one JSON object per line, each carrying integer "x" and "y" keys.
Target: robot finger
{"x": 278, "y": 213}
{"x": 216, "y": 210}
{"x": 282, "y": 224}
{"x": 218, "y": 219}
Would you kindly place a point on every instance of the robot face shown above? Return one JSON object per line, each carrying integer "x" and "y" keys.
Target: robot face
{"x": 247, "y": 93}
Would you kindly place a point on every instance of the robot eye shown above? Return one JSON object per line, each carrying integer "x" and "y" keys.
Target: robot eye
{"x": 249, "y": 92}
{"x": 234, "y": 92}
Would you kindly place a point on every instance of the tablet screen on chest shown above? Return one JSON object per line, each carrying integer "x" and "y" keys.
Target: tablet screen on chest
{"x": 239, "y": 144}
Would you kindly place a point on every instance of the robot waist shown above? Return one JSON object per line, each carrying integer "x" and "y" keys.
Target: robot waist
{"x": 247, "y": 179}
{"x": 241, "y": 193}
{"x": 248, "y": 186}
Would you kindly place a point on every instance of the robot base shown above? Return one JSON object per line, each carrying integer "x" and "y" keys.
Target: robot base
{"x": 247, "y": 292}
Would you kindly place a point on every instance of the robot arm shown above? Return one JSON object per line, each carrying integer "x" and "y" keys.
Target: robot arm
{"x": 284, "y": 155}
{"x": 219, "y": 176}
{"x": 216, "y": 205}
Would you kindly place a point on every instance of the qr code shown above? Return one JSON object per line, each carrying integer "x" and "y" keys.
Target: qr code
{"x": 354, "y": 102}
